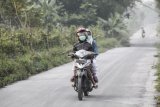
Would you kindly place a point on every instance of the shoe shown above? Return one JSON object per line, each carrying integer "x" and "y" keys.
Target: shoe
{"x": 73, "y": 85}
{"x": 95, "y": 79}
{"x": 95, "y": 86}
{"x": 72, "y": 79}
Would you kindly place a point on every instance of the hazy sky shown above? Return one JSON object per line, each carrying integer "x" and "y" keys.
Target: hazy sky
{"x": 151, "y": 16}
{"x": 147, "y": 0}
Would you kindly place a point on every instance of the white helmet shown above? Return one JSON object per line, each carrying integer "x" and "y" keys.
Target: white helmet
{"x": 90, "y": 37}
{"x": 88, "y": 31}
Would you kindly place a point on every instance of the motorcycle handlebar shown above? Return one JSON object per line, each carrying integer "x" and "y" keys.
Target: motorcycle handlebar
{"x": 89, "y": 56}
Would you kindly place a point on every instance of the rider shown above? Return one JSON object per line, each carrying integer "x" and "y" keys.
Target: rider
{"x": 82, "y": 44}
{"x": 95, "y": 49}
{"x": 143, "y": 32}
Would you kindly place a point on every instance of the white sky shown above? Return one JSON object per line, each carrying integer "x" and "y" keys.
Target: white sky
{"x": 147, "y": 0}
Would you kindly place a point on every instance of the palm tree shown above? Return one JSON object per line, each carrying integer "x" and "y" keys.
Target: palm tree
{"x": 115, "y": 26}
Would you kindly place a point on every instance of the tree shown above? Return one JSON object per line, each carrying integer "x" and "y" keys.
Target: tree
{"x": 10, "y": 13}
{"x": 114, "y": 26}
{"x": 86, "y": 12}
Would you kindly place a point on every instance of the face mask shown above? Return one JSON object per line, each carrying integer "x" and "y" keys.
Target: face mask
{"x": 82, "y": 38}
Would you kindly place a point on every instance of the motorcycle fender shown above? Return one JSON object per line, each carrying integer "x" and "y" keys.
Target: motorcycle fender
{"x": 80, "y": 73}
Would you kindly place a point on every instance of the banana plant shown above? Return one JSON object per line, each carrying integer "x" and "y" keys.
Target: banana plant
{"x": 114, "y": 26}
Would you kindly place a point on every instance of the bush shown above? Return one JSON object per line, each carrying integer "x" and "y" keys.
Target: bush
{"x": 7, "y": 67}
{"x": 125, "y": 41}
{"x": 107, "y": 43}
{"x": 27, "y": 52}
{"x": 158, "y": 78}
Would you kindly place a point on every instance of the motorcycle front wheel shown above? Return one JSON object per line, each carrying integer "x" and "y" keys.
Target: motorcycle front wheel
{"x": 86, "y": 83}
{"x": 80, "y": 90}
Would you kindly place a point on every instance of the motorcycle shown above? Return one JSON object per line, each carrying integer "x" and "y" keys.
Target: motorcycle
{"x": 143, "y": 35}
{"x": 84, "y": 82}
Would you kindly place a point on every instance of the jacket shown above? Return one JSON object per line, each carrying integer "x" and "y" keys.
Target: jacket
{"x": 83, "y": 45}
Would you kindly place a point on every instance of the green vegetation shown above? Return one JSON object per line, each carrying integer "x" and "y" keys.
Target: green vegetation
{"x": 158, "y": 65}
{"x": 37, "y": 35}
{"x": 158, "y": 78}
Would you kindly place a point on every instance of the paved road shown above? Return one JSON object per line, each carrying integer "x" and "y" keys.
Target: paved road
{"x": 125, "y": 80}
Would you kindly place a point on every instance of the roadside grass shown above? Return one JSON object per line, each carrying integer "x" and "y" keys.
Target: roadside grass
{"x": 23, "y": 55}
{"x": 158, "y": 84}
{"x": 158, "y": 77}
{"x": 22, "y": 67}
{"x": 34, "y": 62}
{"x": 107, "y": 43}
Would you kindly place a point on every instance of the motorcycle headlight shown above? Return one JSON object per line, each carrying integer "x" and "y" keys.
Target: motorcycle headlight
{"x": 81, "y": 61}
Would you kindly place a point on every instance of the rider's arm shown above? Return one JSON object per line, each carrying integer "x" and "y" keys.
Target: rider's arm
{"x": 95, "y": 48}
{"x": 90, "y": 47}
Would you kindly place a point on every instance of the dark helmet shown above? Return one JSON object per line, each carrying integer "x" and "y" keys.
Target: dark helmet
{"x": 81, "y": 29}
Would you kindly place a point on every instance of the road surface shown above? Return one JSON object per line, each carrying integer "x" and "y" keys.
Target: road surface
{"x": 126, "y": 79}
